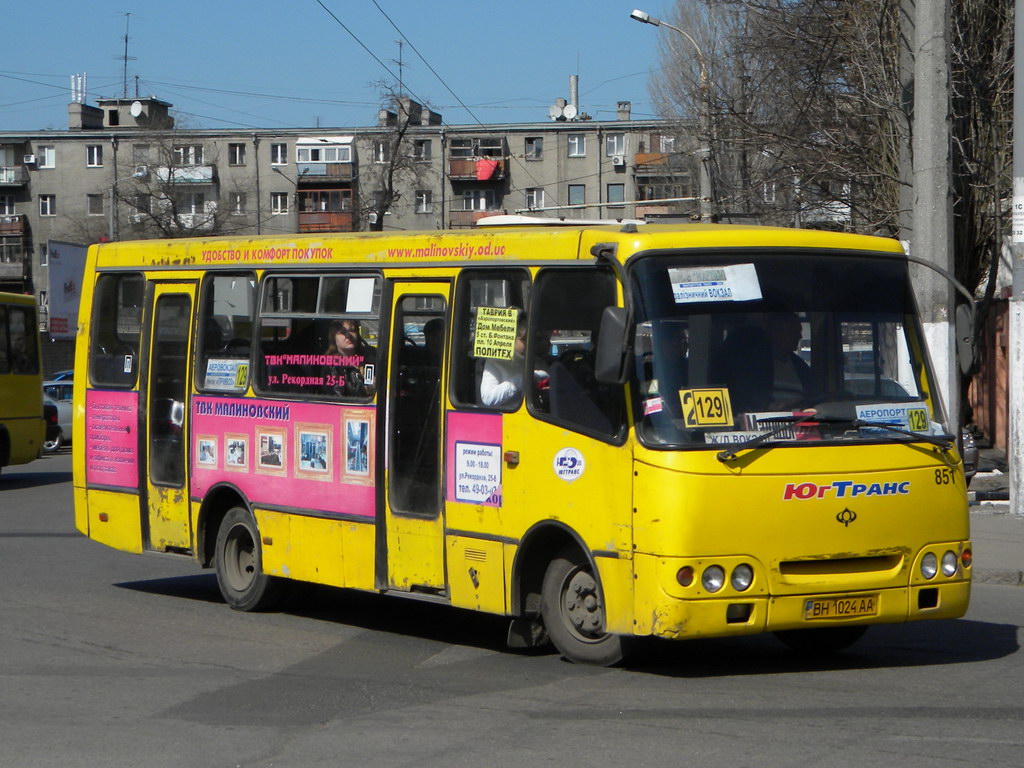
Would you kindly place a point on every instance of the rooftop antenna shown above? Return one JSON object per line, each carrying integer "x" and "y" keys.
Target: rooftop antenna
{"x": 126, "y": 57}
{"x": 401, "y": 44}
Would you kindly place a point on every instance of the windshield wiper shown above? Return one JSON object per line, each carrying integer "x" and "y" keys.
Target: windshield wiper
{"x": 945, "y": 442}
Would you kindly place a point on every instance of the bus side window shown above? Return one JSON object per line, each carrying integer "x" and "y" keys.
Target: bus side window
{"x": 117, "y": 324}
{"x": 23, "y": 354}
{"x": 499, "y": 289}
{"x": 565, "y": 319}
{"x": 225, "y": 332}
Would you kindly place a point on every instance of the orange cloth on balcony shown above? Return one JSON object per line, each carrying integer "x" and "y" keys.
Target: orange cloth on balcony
{"x": 485, "y": 168}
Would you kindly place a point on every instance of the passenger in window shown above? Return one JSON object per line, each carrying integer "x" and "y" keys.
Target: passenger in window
{"x": 502, "y": 381}
{"x": 349, "y": 377}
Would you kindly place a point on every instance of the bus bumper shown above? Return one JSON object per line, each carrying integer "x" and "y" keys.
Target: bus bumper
{"x": 665, "y": 610}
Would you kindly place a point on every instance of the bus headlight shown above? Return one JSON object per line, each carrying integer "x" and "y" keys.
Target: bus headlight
{"x": 949, "y": 563}
{"x": 713, "y": 578}
{"x": 929, "y": 565}
{"x": 742, "y": 577}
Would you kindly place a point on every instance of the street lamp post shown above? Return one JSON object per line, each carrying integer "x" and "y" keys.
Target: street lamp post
{"x": 706, "y": 201}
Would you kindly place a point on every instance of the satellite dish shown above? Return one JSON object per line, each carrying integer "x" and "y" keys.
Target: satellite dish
{"x": 555, "y": 112}
{"x": 569, "y": 112}
{"x": 136, "y": 108}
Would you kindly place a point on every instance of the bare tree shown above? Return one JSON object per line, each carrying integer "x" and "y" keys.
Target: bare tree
{"x": 175, "y": 192}
{"x": 394, "y": 164}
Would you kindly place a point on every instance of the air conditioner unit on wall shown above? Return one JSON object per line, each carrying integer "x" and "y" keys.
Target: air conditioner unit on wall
{"x": 28, "y": 160}
{"x": 618, "y": 160}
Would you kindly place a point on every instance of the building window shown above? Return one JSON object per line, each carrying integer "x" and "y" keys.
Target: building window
{"x": 236, "y": 154}
{"x": 94, "y": 205}
{"x": 768, "y": 192}
{"x": 534, "y": 198}
{"x": 424, "y": 201}
{"x": 236, "y": 203}
{"x": 667, "y": 144}
{"x": 188, "y": 154}
{"x": 423, "y": 149}
{"x": 577, "y": 145}
{"x": 143, "y": 204}
{"x": 6, "y": 205}
{"x": 615, "y": 144}
{"x": 534, "y": 147}
{"x": 279, "y": 202}
{"x": 381, "y": 151}
{"x": 191, "y": 203}
{"x": 46, "y": 157}
{"x": 278, "y": 154}
{"x": 479, "y": 200}
{"x": 478, "y": 147}
{"x": 47, "y": 205}
{"x": 325, "y": 201}
{"x": 617, "y": 195}
{"x": 94, "y": 156}
{"x": 341, "y": 154}
{"x": 140, "y": 154}
{"x": 577, "y": 194}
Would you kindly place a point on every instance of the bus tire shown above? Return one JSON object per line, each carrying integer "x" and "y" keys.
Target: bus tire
{"x": 821, "y": 641}
{"x": 239, "y": 562}
{"x": 574, "y": 615}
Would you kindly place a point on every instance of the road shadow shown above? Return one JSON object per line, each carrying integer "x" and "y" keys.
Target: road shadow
{"x": 915, "y": 644}
{"x": 14, "y": 480}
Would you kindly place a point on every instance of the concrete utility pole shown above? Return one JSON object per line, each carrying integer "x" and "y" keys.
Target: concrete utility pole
{"x": 932, "y": 237}
{"x": 1015, "y": 444}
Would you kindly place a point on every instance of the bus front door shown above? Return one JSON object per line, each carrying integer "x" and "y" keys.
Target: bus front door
{"x": 166, "y": 398}
{"x": 414, "y": 510}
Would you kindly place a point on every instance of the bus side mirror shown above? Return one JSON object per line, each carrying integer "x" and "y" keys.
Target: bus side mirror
{"x": 964, "y": 328}
{"x": 611, "y": 359}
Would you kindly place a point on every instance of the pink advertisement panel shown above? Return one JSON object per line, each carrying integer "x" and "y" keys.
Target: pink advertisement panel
{"x": 304, "y": 455}
{"x": 474, "y": 458}
{"x": 111, "y": 438}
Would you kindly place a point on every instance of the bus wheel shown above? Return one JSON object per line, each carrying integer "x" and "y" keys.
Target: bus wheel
{"x": 574, "y": 615}
{"x": 823, "y": 640}
{"x": 240, "y": 567}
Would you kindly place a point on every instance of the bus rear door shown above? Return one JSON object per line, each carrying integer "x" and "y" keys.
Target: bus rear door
{"x": 414, "y": 510}
{"x": 166, "y": 419}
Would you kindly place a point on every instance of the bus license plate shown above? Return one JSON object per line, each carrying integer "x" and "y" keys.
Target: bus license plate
{"x": 841, "y": 607}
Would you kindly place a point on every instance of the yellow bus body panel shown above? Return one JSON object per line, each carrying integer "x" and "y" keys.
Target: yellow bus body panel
{"x": 115, "y": 520}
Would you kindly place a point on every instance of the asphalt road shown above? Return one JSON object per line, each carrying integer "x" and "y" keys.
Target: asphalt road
{"x": 110, "y": 659}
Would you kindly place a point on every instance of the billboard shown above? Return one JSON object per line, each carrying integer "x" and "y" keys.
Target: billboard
{"x": 66, "y": 262}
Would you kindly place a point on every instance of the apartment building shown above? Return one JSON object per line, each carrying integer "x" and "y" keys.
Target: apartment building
{"x": 123, "y": 170}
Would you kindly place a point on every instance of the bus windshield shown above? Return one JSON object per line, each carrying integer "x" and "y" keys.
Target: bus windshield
{"x": 733, "y": 345}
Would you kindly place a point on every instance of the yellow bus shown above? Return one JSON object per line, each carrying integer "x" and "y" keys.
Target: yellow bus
{"x": 21, "y": 381}
{"x": 601, "y": 432}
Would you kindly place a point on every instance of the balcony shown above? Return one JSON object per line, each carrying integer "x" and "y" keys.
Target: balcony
{"x": 659, "y": 163}
{"x": 13, "y": 176}
{"x": 321, "y": 172}
{"x": 326, "y": 221}
{"x": 477, "y": 168}
{"x": 185, "y": 174}
{"x": 11, "y": 270}
{"x": 462, "y": 219}
{"x": 13, "y": 224}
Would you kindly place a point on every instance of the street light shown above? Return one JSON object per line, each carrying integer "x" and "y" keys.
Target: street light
{"x": 706, "y": 212}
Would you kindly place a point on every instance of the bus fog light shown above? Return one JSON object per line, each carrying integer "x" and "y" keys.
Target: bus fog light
{"x": 929, "y": 566}
{"x": 949, "y": 563}
{"x": 685, "y": 576}
{"x": 742, "y": 577}
{"x": 713, "y": 578}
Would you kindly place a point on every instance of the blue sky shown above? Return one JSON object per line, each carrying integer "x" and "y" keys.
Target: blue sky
{"x": 290, "y": 64}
